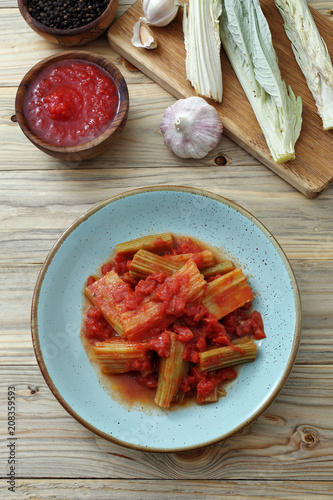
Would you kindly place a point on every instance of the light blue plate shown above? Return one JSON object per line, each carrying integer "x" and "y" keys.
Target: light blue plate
{"x": 57, "y": 314}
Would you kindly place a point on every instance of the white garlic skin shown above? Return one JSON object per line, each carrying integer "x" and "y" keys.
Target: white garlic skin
{"x": 191, "y": 128}
{"x": 159, "y": 12}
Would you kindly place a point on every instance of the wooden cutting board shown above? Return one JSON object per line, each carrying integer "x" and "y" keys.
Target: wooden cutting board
{"x": 312, "y": 170}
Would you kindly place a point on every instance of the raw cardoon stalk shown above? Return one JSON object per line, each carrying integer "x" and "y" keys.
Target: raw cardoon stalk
{"x": 247, "y": 40}
{"x": 203, "y": 44}
{"x": 311, "y": 55}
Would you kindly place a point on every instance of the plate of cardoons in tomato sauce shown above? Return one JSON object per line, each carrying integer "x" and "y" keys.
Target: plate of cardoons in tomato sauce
{"x": 166, "y": 318}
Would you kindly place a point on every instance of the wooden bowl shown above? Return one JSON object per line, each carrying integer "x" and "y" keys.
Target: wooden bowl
{"x": 76, "y": 36}
{"x": 99, "y": 144}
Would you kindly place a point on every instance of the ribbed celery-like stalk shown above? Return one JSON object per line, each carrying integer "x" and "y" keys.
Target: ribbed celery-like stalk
{"x": 213, "y": 397}
{"x": 202, "y": 44}
{"x": 145, "y": 263}
{"x": 311, "y": 55}
{"x": 115, "y": 357}
{"x": 205, "y": 258}
{"x": 135, "y": 325}
{"x": 101, "y": 294}
{"x": 247, "y": 40}
{"x": 149, "y": 315}
{"x": 171, "y": 373}
{"x": 153, "y": 243}
{"x": 222, "y": 268}
{"x": 195, "y": 284}
{"x": 222, "y": 357}
{"x": 227, "y": 293}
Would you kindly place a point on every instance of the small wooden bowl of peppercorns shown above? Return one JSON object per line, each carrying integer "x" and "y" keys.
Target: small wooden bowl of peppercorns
{"x": 68, "y": 22}
{"x": 72, "y": 105}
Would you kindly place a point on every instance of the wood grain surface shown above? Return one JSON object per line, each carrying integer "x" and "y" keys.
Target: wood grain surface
{"x": 312, "y": 170}
{"x": 287, "y": 453}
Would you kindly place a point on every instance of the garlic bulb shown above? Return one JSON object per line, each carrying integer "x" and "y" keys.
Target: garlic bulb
{"x": 191, "y": 127}
{"x": 143, "y": 35}
{"x": 159, "y": 12}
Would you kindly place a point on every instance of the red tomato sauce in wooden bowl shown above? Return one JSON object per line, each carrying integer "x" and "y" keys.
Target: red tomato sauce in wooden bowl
{"x": 71, "y": 102}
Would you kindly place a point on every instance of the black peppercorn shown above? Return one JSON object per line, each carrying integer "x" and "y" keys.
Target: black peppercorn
{"x": 66, "y": 14}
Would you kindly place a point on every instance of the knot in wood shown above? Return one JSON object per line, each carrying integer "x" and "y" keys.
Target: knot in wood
{"x": 130, "y": 67}
{"x": 221, "y": 160}
{"x": 33, "y": 392}
{"x": 310, "y": 437}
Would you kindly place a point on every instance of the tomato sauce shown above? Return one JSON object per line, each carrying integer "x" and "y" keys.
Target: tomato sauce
{"x": 97, "y": 329}
{"x": 71, "y": 102}
{"x": 128, "y": 389}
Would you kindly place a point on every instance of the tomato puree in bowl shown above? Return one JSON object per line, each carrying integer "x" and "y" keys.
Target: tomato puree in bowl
{"x": 71, "y": 102}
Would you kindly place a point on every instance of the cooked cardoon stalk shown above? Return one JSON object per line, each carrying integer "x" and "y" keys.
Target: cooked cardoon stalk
{"x": 203, "y": 44}
{"x": 311, "y": 55}
{"x": 247, "y": 40}
{"x": 145, "y": 263}
{"x": 204, "y": 258}
{"x": 171, "y": 373}
{"x": 242, "y": 351}
{"x": 109, "y": 295}
{"x": 227, "y": 293}
{"x": 222, "y": 268}
{"x": 213, "y": 397}
{"x": 118, "y": 356}
{"x": 153, "y": 243}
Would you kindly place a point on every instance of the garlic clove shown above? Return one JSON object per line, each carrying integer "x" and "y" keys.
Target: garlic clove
{"x": 143, "y": 36}
{"x": 191, "y": 128}
{"x": 159, "y": 12}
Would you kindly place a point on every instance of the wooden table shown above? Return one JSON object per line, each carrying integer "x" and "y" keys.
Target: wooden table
{"x": 288, "y": 451}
